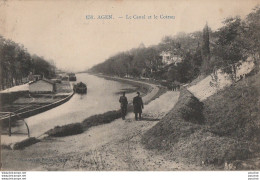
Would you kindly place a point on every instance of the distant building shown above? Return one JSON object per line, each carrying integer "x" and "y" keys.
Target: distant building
{"x": 169, "y": 57}
{"x": 42, "y": 86}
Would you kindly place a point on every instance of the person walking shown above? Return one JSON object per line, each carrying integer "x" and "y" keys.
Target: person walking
{"x": 123, "y": 104}
{"x": 138, "y": 106}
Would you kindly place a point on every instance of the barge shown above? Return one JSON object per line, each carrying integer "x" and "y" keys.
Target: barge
{"x": 80, "y": 88}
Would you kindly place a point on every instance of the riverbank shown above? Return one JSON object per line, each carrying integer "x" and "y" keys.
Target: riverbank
{"x": 148, "y": 91}
{"x": 155, "y": 92}
{"x": 145, "y": 87}
{"x": 111, "y": 146}
{"x": 69, "y": 128}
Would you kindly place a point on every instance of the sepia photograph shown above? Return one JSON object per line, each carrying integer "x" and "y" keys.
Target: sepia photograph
{"x": 124, "y": 85}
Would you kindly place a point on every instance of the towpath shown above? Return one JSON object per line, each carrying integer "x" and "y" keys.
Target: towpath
{"x": 113, "y": 146}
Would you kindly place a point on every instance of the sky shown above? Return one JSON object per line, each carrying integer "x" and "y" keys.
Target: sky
{"x": 58, "y": 29}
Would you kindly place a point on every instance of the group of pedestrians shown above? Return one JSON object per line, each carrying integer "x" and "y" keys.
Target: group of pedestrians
{"x": 175, "y": 87}
{"x": 137, "y": 103}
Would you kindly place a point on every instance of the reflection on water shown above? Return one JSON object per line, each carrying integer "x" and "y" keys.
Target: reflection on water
{"x": 101, "y": 97}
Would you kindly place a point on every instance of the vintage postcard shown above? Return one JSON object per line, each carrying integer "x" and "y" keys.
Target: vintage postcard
{"x": 124, "y": 85}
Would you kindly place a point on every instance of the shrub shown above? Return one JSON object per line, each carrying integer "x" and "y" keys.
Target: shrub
{"x": 25, "y": 143}
{"x": 66, "y": 130}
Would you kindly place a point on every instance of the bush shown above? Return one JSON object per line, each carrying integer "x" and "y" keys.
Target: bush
{"x": 25, "y": 143}
{"x": 66, "y": 130}
{"x": 101, "y": 119}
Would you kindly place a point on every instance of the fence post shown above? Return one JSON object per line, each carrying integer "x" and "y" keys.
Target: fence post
{"x": 10, "y": 124}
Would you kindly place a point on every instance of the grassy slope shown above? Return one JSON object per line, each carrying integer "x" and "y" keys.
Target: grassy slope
{"x": 234, "y": 112}
{"x": 224, "y": 129}
{"x": 174, "y": 126}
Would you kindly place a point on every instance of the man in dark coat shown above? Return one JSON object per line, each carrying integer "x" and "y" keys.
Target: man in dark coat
{"x": 138, "y": 106}
{"x": 123, "y": 104}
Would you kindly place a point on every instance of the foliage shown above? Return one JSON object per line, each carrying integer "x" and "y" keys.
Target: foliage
{"x": 66, "y": 130}
{"x": 17, "y": 63}
{"x": 25, "y": 143}
{"x": 201, "y": 52}
{"x": 237, "y": 40}
{"x": 147, "y": 62}
{"x": 205, "y": 50}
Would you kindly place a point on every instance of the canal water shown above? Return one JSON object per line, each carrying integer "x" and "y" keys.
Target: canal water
{"x": 102, "y": 96}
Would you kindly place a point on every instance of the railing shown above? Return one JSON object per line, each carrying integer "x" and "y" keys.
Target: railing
{"x": 11, "y": 115}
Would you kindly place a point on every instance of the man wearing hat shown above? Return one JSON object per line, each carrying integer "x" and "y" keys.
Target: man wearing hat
{"x": 138, "y": 106}
{"x": 123, "y": 102}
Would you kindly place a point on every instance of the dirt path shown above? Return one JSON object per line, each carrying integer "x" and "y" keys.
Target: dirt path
{"x": 113, "y": 146}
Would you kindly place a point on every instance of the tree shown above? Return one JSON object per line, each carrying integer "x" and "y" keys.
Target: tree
{"x": 205, "y": 49}
{"x": 252, "y": 34}
{"x": 16, "y": 63}
{"x": 201, "y": 51}
{"x": 230, "y": 46}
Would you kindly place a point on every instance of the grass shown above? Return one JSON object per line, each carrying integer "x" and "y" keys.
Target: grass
{"x": 225, "y": 128}
{"x": 175, "y": 124}
{"x": 204, "y": 148}
{"x": 234, "y": 112}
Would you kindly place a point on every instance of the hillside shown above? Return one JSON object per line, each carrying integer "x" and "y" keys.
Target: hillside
{"x": 204, "y": 88}
{"x": 185, "y": 56}
{"x": 234, "y": 112}
{"x": 223, "y": 131}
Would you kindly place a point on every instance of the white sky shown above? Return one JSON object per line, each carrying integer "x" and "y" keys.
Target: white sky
{"x": 58, "y": 29}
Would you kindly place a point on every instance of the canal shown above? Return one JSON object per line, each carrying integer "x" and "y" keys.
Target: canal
{"x": 102, "y": 96}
